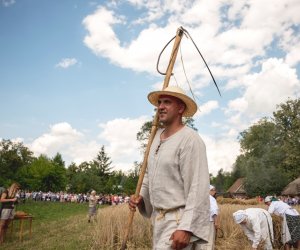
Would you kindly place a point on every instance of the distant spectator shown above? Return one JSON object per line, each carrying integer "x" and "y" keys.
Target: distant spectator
{"x": 92, "y": 205}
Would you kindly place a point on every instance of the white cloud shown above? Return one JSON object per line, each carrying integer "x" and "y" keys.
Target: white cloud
{"x": 221, "y": 153}
{"x": 238, "y": 104}
{"x": 122, "y": 145}
{"x": 229, "y": 43}
{"x": 66, "y": 63}
{"x": 118, "y": 136}
{"x": 67, "y": 141}
{"x": 60, "y": 137}
{"x": 273, "y": 85}
{"x": 293, "y": 56}
{"x": 207, "y": 108}
{"x": 7, "y": 3}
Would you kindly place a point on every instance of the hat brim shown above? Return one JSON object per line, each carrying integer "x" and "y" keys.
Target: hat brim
{"x": 191, "y": 106}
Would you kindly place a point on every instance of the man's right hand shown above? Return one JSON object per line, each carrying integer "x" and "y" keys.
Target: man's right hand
{"x": 134, "y": 202}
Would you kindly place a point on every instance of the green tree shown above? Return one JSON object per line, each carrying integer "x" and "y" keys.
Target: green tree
{"x": 58, "y": 160}
{"x": 287, "y": 120}
{"x": 262, "y": 180}
{"x": 270, "y": 151}
{"x": 42, "y": 174}
{"x": 260, "y": 159}
{"x": 13, "y": 157}
{"x": 131, "y": 180}
{"x": 101, "y": 165}
{"x": 222, "y": 181}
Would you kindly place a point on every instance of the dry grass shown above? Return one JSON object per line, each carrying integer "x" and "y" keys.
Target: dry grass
{"x": 111, "y": 225}
{"x": 249, "y": 202}
{"x": 112, "y": 221}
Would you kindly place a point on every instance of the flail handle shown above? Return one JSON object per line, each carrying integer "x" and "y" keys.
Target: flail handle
{"x": 153, "y": 132}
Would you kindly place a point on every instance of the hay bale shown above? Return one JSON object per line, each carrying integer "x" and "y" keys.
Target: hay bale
{"x": 222, "y": 200}
{"x": 277, "y": 221}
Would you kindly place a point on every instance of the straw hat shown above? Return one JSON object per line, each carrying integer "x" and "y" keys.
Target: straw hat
{"x": 191, "y": 106}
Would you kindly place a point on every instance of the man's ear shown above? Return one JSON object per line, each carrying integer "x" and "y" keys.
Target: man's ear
{"x": 182, "y": 108}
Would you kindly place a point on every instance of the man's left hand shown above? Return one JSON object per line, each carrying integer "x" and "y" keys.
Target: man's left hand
{"x": 180, "y": 239}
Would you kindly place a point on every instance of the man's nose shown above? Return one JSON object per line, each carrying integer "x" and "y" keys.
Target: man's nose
{"x": 161, "y": 105}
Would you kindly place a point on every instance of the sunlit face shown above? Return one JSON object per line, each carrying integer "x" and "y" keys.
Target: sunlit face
{"x": 169, "y": 109}
{"x": 212, "y": 192}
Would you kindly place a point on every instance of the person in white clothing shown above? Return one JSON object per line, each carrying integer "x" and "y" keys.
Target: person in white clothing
{"x": 290, "y": 234}
{"x": 257, "y": 225}
{"x": 214, "y": 222}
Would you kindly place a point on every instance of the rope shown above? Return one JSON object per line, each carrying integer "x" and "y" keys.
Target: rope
{"x": 194, "y": 97}
{"x": 187, "y": 33}
{"x": 189, "y": 36}
{"x": 186, "y": 75}
{"x": 157, "y": 64}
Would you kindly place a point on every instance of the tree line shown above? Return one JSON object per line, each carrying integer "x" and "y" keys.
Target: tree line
{"x": 270, "y": 153}
{"x": 269, "y": 160}
{"x": 42, "y": 173}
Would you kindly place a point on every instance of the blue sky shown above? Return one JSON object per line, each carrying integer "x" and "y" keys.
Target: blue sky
{"x": 75, "y": 74}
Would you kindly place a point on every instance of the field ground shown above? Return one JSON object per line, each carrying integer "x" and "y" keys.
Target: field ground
{"x": 64, "y": 226}
{"x": 55, "y": 226}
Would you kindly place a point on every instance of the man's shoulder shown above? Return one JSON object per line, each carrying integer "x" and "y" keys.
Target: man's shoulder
{"x": 189, "y": 130}
{"x": 192, "y": 135}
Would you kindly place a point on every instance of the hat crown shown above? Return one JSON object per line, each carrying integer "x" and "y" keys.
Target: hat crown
{"x": 175, "y": 89}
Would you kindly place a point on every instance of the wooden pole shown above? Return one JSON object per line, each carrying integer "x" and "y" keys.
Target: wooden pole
{"x": 153, "y": 132}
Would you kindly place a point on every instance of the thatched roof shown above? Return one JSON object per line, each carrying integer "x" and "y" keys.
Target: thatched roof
{"x": 293, "y": 188}
{"x": 237, "y": 187}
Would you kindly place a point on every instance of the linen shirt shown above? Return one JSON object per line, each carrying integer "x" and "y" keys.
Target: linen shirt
{"x": 257, "y": 228}
{"x": 177, "y": 177}
{"x": 213, "y": 207}
{"x": 280, "y": 208}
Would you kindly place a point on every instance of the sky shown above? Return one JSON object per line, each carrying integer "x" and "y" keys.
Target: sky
{"x": 75, "y": 74}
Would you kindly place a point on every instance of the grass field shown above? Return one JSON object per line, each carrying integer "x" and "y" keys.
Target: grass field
{"x": 64, "y": 226}
{"x": 55, "y": 226}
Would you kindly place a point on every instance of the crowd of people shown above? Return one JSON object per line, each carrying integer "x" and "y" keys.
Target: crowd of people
{"x": 290, "y": 200}
{"x": 101, "y": 199}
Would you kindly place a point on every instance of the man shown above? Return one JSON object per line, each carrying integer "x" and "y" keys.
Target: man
{"x": 175, "y": 187}
{"x": 290, "y": 233}
{"x": 257, "y": 225}
{"x": 92, "y": 205}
